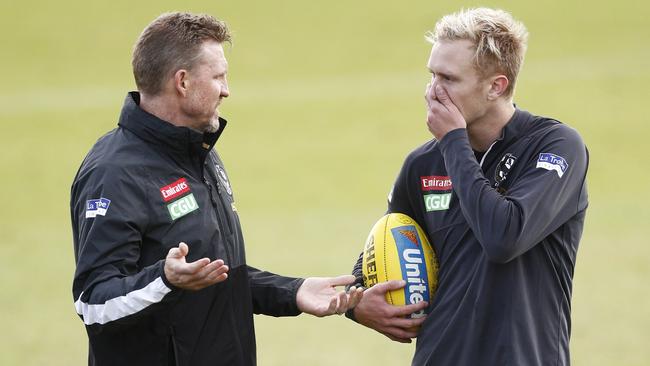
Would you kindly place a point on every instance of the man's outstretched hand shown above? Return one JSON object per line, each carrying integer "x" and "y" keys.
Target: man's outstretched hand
{"x": 318, "y": 295}
{"x": 195, "y": 275}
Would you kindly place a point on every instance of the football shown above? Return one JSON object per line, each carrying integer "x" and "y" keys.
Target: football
{"x": 398, "y": 249}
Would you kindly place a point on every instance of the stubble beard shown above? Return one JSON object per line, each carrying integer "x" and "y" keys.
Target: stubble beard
{"x": 213, "y": 126}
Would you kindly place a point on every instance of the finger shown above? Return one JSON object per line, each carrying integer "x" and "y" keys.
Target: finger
{"x": 342, "y": 303}
{"x": 218, "y": 272}
{"x": 409, "y": 309}
{"x": 211, "y": 267}
{"x": 209, "y": 275}
{"x": 332, "y": 306}
{"x": 193, "y": 267}
{"x": 406, "y": 323}
{"x": 355, "y": 296}
{"x": 397, "y": 339}
{"x": 384, "y": 287}
{"x": 174, "y": 253}
{"x": 400, "y": 333}
{"x": 219, "y": 275}
{"x": 217, "y": 278}
{"x": 184, "y": 249}
{"x": 342, "y": 280}
{"x": 428, "y": 95}
{"x": 443, "y": 97}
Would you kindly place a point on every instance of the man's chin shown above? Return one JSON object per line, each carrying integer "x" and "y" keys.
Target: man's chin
{"x": 213, "y": 126}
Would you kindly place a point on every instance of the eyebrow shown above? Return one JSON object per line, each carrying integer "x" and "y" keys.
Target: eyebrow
{"x": 442, "y": 73}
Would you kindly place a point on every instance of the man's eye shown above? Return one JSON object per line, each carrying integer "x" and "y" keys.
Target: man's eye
{"x": 440, "y": 77}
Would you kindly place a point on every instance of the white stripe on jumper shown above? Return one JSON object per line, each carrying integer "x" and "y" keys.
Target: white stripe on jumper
{"x": 487, "y": 152}
{"x": 122, "y": 306}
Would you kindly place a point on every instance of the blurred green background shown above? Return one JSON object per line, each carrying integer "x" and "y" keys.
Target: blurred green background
{"x": 326, "y": 101}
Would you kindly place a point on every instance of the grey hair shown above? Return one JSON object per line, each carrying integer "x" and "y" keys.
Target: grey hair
{"x": 172, "y": 42}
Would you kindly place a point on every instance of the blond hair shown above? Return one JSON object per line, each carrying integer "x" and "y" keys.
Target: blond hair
{"x": 500, "y": 40}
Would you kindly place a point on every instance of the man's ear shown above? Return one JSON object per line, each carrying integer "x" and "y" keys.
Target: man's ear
{"x": 181, "y": 82}
{"x": 498, "y": 86}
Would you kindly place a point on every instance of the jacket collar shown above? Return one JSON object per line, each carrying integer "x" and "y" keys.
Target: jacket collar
{"x": 159, "y": 132}
{"x": 518, "y": 124}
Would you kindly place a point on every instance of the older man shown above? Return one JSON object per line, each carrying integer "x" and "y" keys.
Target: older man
{"x": 161, "y": 275}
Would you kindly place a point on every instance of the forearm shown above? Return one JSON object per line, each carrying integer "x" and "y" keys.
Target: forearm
{"x": 273, "y": 294}
{"x": 106, "y": 298}
{"x": 494, "y": 220}
{"x": 537, "y": 202}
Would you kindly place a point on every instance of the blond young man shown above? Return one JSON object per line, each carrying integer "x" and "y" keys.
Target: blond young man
{"x": 507, "y": 223}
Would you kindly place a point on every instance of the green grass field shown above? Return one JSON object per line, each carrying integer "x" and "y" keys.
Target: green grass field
{"x": 326, "y": 101}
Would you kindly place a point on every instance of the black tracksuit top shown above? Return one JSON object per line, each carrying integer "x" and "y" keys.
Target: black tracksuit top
{"x": 505, "y": 227}
{"x": 143, "y": 188}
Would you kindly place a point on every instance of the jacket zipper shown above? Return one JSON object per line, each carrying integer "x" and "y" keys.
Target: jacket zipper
{"x": 217, "y": 209}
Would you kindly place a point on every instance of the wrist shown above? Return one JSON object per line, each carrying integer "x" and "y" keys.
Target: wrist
{"x": 350, "y": 315}
{"x": 295, "y": 288}
{"x": 165, "y": 276}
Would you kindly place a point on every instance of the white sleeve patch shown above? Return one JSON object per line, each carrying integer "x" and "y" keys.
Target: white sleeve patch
{"x": 97, "y": 207}
{"x": 550, "y": 161}
{"x": 123, "y": 306}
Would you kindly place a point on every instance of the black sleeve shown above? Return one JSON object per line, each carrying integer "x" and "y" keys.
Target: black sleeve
{"x": 273, "y": 294}
{"x": 357, "y": 272}
{"x": 543, "y": 197}
{"x": 108, "y": 218}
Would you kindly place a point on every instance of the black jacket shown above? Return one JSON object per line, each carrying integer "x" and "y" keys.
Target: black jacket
{"x": 505, "y": 227}
{"x": 143, "y": 188}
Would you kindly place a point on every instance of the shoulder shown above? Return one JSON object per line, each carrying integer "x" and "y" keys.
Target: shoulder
{"x": 425, "y": 152}
{"x": 551, "y": 129}
{"x": 548, "y": 135}
{"x": 554, "y": 145}
{"x": 115, "y": 159}
{"x": 117, "y": 150}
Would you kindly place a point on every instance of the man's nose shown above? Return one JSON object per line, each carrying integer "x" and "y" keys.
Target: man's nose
{"x": 224, "y": 90}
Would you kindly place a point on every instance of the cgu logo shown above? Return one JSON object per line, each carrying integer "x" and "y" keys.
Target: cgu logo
{"x": 417, "y": 288}
{"x": 182, "y": 207}
{"x": 437, "y": 202}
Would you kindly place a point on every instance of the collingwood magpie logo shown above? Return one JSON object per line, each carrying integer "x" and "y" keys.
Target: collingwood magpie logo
{"x": 501, "y": 174}
{"x": 223, "y": 178}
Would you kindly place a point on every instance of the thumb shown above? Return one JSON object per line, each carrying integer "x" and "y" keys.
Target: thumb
{"x": 384, "y": 287}
{"x": 183, "y": 249}
{"x": 342, "y": 280}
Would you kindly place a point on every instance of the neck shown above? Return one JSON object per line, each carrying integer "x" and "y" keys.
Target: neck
{"x": 485, "y": 130}
{"x": 164, "y": 108}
